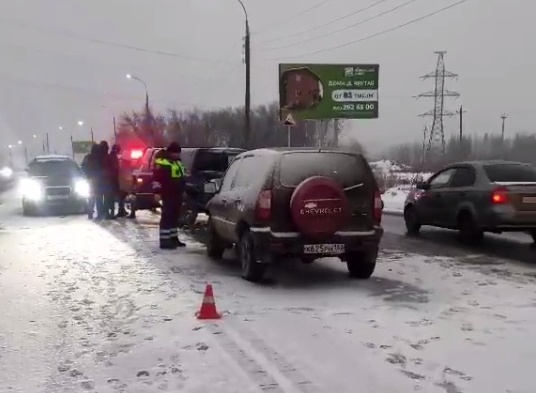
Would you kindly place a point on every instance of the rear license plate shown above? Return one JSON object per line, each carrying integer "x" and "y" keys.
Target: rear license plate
{"x": 324, "y": 249}
{"x": 529, "y": 200}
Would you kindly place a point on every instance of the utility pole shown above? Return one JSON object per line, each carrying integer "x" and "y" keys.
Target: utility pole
{"x": 48, "y": 144}
{"x": 115, "y": 130}
{"x": 247, "y": 61}
{"x": 436, "y": 137}
{"x": 26, "y": 154}
{"x": 460, "y": 112}
{"x": 504, "y": 116}
{"x": 248, "y": 87}
{"x": 92, "y": 137}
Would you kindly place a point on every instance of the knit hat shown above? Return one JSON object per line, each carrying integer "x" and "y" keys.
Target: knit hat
{"x": 174, "y": 148}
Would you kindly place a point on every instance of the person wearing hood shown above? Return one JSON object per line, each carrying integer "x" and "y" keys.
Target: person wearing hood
{"x": 90, "y": 167}
{"x": 102, "y": 186}
{"x": 169, "y": 176}
{"x": 115, "y": 191}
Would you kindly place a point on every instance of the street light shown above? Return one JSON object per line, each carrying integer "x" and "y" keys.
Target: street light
{"x": 34, "y": 136}
{"x": 247, "y": 59}
{"x": 130, "y": 76}
{"x": 80, "y": 123}
{"x": 19, "y": 142}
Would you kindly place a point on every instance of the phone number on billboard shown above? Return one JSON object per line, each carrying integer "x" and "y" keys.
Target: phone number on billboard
{"x": 355, "y": 107}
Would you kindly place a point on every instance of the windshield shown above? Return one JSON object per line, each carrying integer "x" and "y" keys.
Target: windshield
{"x": 54, "y": 168}
{"x": 345, "y": 168}
{"x": 515, "y": 173}
{"x": 206, "y": 160}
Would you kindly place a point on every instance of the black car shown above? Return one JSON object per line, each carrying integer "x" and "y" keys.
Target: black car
{"x": 203, "y": 164}
{"x": 476, "y": 197}
{"x": 305, "y": 203}
{"x": 54, "y": 182}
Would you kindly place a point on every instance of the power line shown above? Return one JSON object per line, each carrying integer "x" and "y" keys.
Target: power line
{"x": 291, "y": 17}
{"x": 57, "y": 86}
{"x": 107, "y": 43}
{"x": 314, "y": 38}
{"x": 332, "y": 48}
{"x": 325, "y": 24}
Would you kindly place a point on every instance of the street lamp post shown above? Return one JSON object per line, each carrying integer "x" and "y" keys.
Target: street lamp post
{"x": 247, "y": 60}
{"x": 130, "y": 76}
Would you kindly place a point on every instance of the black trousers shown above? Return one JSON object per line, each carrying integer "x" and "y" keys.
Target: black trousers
{"x": 169, "y": 219}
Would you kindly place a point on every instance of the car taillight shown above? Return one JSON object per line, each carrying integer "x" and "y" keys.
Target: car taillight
{"x": 139, "y": 180}
{"x": 499, "y": 196}
{"x": 264, "y": 205}
{"x": 378, "y": 207}
{"x": 136, "y": 154}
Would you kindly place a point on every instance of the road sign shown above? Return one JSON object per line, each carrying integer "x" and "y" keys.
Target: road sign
{"x": 289, "y": 120}
{"x": 328, "y": 91}
{"x": 82, "y": 147}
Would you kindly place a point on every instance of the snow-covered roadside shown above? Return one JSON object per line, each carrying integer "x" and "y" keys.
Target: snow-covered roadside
{"x": 394, "y": 198}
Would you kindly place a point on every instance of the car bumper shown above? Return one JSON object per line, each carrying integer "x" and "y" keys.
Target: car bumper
{"x": 267, "y": 242}
{"x": 507, "y": 219}
{"x": 65, "y": 203}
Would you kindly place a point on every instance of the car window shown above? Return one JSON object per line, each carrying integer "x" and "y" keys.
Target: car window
{"x": 510, "y": 173}
{"x": 54, "y": 168}
{"x": 208, "y": 160}
{"x": 187, "y": 157}
{"x": 347, "y": 169}
{"x": 253, "y": 171}
{"x": 230, "y": 176}
{"x": 463, "y": 177}
{"x": 442, "y": 178}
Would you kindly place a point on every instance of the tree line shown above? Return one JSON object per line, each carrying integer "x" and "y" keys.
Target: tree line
{"x": 520, "y": 147}
{"x": 225, "y": 127}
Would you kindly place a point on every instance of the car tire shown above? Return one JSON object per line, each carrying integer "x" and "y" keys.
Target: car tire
{"x": 188, "y": 215}
{"x": 361, "y": 265}
{"x": 470, "y": 232}
{"x": 215, "y": 244}
{"x": 413, "y": 224}
{"x": 251, "y": 269}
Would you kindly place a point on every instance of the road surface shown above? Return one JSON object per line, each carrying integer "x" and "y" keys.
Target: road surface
{"x": 97, "y": 307}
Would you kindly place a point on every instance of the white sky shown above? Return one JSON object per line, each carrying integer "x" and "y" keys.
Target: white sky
{"x": 55, "y": 69}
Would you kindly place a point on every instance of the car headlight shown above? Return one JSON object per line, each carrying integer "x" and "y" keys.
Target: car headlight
{"x": 31, "y": 189}
{"x": 82, "y": 188}
{"x": 6, "y": 172}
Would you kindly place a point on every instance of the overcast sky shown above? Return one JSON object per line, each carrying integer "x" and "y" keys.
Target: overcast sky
{"x": 59, "y": 64}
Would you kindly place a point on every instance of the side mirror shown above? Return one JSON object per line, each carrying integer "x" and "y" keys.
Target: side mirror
{"x": 422, "y": 185}
{"x": 212, "y": 187}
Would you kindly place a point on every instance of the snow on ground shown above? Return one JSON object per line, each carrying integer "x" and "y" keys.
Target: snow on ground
{"x": 394, "y": 198}
{"x": 99, "y": 308}
{"x": 397, "y": 172}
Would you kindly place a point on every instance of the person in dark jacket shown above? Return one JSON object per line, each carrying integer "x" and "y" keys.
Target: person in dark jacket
{"x": 169, "y": 182}
{"x": 90, "y": 167}
{"x": 103, "y": 182}
{"x": 113, "y": 178}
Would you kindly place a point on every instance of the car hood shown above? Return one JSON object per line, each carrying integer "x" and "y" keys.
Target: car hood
{"x": 54, "y": 181}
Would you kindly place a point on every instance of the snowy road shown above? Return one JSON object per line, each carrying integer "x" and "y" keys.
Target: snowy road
{"x": 98, "y": 308}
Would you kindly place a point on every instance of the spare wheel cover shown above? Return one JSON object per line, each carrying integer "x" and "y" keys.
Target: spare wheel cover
{"x": 319, "y": 207}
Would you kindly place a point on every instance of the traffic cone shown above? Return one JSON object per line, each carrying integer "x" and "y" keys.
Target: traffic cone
{"x": 208, "y": 307}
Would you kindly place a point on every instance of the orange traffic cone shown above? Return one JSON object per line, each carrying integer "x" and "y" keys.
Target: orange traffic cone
{"x": 208, "y": 307}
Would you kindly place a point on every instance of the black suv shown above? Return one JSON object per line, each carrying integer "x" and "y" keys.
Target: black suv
{"x": 54, "y": 182}
{"x": 476, "y": 197}
{"x": 306, "y": 203}
{"x": 203, "y": 164}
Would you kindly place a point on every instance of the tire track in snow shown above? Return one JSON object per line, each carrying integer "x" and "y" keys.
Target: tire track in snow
{"x": 287, "y": 369}
{"x": 259, "y": 360}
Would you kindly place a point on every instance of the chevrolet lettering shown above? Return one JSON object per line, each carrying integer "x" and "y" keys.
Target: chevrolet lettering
{"x": 322, "y": 211}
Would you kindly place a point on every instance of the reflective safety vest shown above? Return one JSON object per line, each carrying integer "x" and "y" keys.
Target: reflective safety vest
{"x": 178, "y": 170}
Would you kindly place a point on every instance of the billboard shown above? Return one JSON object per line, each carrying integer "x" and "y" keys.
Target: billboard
{"x": 82, "y": 147}
{"x": 328, "y": 91}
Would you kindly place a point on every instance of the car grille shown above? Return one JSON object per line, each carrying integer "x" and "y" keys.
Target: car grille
{"x": 53, "y": 191}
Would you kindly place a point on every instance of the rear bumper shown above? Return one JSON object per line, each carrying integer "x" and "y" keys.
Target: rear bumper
{"x": 268, "y": 242}
{"x": 506, "y": 219}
